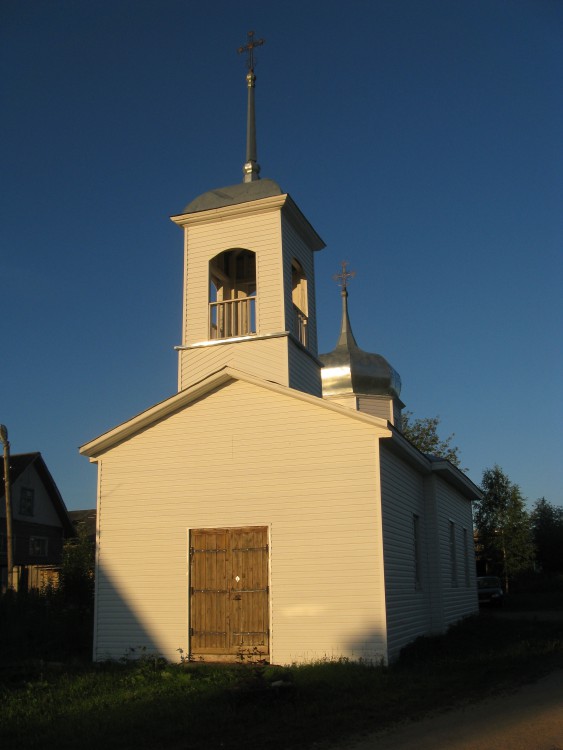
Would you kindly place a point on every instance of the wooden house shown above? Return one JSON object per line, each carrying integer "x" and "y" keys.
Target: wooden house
{"x": 40, "y": 523}
{"x": 265, "y": 510}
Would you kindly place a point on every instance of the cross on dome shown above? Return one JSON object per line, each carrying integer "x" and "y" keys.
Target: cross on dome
{"x": 343, "y": 276}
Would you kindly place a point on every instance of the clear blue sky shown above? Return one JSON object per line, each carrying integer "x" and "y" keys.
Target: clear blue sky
{"x": 420, "y": 137}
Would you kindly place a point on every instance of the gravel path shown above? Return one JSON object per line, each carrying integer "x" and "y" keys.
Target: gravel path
{"x": 529, "y": 718}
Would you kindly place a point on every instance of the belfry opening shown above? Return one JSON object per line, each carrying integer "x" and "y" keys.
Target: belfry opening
{"x": 232, "y": 294}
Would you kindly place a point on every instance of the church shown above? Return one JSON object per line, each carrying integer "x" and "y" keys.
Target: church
{"x": 271, "y": 509}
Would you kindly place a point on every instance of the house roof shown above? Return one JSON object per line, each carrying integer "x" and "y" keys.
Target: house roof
{"x": 21, "y": 461}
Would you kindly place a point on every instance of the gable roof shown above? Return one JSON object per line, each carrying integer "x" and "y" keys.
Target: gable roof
{"x": 21, "y": 461}
{"x": 216, "y": 380}
{"x": 398, "y": 442}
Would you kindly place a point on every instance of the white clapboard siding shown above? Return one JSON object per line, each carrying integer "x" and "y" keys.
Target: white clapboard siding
{"x": 349, "y": 400}
{"x": 377, "y": 406}
{"x": 259, "y": 233}
{"x": 304, "y": 370}
{"x": 270, "y": 235}
{"x": 295, "y": 247}
{"x": 245, "y": 456}
{"x": 266, "y": 359}
{"x": 459, "y": 596}
{"x": 402, "y": 491}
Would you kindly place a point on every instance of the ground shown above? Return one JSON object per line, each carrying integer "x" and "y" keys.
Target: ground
{"x": 530, "y": 718}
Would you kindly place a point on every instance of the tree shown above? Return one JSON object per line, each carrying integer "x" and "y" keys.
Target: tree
{"x": 77, "y": 572}
{"x": 547, "y": 530}
{"x": 503, "y": 526}
{"x": 423, "y": 433}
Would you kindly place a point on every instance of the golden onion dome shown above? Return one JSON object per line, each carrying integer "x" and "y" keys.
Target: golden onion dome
{"x": 348, "y": 369}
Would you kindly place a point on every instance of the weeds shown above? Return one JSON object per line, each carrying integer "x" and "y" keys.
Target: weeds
{"x": 145, "y": 703}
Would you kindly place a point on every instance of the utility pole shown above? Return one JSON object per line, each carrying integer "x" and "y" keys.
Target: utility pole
{"x": 7, "y": 489}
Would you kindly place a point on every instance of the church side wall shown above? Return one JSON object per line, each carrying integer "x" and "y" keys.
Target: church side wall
{"x": 457, "y": 553}
{"x": 402, "y": 494}
{"x": 244, "y": 456}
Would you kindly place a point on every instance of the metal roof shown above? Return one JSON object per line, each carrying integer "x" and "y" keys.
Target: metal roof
{"x": 349, "y": 369}
{"x": 243, "y": 192}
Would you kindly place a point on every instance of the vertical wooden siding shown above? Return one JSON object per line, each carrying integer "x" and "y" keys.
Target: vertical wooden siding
{"x": 244, "y": 456}
{"x": 229, "y": 591}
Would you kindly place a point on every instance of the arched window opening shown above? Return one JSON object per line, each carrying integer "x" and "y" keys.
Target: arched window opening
{"x": 299, "y": 298}
{"x": 232, "y": 294}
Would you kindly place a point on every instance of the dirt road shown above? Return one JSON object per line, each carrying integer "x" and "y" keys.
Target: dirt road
{"x": 530, "y": 718}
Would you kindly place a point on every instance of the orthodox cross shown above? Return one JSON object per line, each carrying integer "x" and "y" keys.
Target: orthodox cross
{"x": 249, "y": 49}
{"x": 342, "y": 277}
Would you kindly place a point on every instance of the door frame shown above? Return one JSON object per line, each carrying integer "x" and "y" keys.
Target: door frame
{"x": 230, "y": 657}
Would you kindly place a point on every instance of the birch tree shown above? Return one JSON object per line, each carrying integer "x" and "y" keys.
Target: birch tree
{"x": 503, "y": 526}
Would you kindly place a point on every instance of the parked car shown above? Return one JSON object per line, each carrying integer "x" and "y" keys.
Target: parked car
{"x": 489, "y": 589}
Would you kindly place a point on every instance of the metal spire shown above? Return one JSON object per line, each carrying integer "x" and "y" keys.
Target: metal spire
{"x": 251, "y": 169}
{"x": 346, "y": 336}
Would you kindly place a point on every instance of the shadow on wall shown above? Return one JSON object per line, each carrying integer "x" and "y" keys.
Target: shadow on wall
{"x": 126, "y": 626}
{"x": 122, "y": 623}
{"x": 368, "y": 648}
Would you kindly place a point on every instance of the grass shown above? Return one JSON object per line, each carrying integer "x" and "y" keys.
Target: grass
{"x": 153, "y": 705}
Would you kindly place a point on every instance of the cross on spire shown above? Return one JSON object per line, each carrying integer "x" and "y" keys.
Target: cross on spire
{"x": 342, "y": 277}
{"x": 251, "y": 168}
{"x": 249, "y": 49}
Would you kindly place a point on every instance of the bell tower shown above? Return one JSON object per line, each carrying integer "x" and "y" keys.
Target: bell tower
{"x": 249, "y": 284}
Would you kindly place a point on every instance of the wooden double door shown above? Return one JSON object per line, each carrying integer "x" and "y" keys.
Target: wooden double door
{"x": 229, "y": 613}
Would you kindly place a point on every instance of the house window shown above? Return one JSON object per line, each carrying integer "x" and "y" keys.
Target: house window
{"x": 453, "y": 554}
{"x": 299, "y": 299}
{"x": 27, "y": 501}
{"x": 466, "y": 558}
{"x": 417, "y": 552}
{"x": 232, "y": 294}
{"x": 38, "y": 546}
